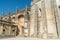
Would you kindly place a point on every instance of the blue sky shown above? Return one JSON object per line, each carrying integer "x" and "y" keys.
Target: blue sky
{"x": 12, "y": 4}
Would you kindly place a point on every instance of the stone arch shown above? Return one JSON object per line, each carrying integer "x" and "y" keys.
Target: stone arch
{"x": 20, "y": 16}
{"x": 20, "y": 23}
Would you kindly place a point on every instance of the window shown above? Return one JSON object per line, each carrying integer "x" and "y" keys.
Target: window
{"x": 13, "y": 30}
{"x": 3, "y": 30}
{"x": 40, "y": 9}
{"x": 59, "y": 6}
{"x": 5, "y": 18}
{"x": 13, "y": 17}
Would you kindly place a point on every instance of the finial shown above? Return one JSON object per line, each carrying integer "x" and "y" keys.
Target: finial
{"x": 26, "y": 7}
{"x": 16, "y": 9}
{"x": 0, "y": 17}
{"x": 9, "y": 15}
{"x": 9, "y": 12}
{"x": 2, "y": 13}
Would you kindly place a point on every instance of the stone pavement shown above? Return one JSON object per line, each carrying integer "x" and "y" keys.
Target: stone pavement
{"x": 23, "y": 38}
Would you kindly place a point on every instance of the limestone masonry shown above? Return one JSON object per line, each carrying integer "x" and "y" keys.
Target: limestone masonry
{"x": 42, "y": 20}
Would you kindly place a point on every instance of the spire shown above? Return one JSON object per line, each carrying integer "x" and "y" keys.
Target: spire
{"x": 0, "y": 17}
{"x": 2, "y": 14}
{"x": 9, "y": 15}
{"x": 9, "y": 12}
{"x": 26, "y": 8}
{"x": 26, "y": 12}
{"x": 16, "y": 10}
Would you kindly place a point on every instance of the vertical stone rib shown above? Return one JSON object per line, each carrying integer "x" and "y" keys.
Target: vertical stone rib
{"x": 57, "y": 13}
{"x": 32, "y": 21}
{"x": 36, "y": 22}
{"x": 54, "y": 6}
{"x": 43, "y": 19}
{"x": 50, "y": 19}
{"x": 29, "y": 28}
{"x": 57, "y": 16}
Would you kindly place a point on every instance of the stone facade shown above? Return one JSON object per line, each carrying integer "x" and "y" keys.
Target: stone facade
{"x": 42, "y": 20}
{"x": 19, "y": 22}
{"x": 45, "y": 19}
{"x": 8, "y": 29}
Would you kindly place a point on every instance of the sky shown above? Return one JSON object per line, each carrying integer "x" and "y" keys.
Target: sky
{"x": 13, "y": 4}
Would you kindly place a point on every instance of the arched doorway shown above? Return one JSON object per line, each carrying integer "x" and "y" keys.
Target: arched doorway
{"x": 20, "y": 23}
